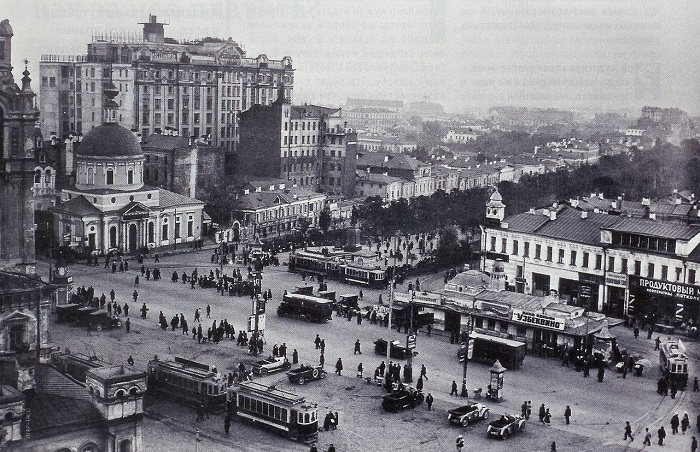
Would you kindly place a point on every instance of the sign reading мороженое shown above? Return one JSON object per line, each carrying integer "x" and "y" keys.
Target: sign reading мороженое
{"x": 536, "y": 319}
{"x": 669, "y": 289}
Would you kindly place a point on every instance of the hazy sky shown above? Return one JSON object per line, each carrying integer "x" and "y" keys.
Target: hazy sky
{"x": 465, "y": 54}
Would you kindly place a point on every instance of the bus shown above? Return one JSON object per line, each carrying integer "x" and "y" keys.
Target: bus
{"x": 283, "y": 411}
{"x": 188, "y": 382}
{"x": 309, "y": 307}
{"x": 488, "y": 349}
{"x": 673, "y": 362}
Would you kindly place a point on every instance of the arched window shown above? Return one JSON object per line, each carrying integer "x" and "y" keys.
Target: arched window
{"x": 113, "y": 237}
{"x": 37, "y": 176}
{"x": 47, "y": 177}
{"x": 110, "y": 176}
{"x": 125, "y": 445}
{"x": 91, "y": 176}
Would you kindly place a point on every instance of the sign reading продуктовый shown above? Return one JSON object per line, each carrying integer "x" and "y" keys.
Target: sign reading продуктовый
{"x": 534, "y": 318}
{"x": 669, "y": 289}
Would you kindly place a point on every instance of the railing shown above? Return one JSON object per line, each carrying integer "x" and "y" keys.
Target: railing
{"x": 50, "y": 58}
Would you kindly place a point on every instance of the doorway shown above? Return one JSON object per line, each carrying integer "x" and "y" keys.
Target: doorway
{"x": 132, "y": 237}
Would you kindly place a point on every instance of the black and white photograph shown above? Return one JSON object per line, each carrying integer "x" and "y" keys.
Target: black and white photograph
{"x": 453, "y": 225}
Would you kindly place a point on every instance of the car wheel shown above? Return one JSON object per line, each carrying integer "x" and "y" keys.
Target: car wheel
{"x": 119, "y": 324}
{"x": 505, "y": 435}
{"x": 287, "y": 365}
{"x": 98, "y": 327}
{"x": 263, "y": 371}
{"x": 486, "y": 414}
{"x": 301, "y": 380}
{"x": 314, "y": 373}
{"x": 465, "y": 422}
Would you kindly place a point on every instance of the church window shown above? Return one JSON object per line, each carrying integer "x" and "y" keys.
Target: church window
{"x": 90, "y": 176}
{"x": 17, "y": 333}
{"x": 164, "y": 234}
{"x": 110, "y": 176}
{"x": 47, "y": 177}
{"x": 130, "y": 176}
{"x": 37, "y": 177}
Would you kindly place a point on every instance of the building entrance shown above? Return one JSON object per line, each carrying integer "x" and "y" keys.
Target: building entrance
{"x": 132, "y": 238}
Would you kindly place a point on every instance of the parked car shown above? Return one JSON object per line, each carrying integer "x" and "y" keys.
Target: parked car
{"x": 397, "y": 350}
{"x": 401, "y": 399}
{"x": 466, "y": 414}
{"x": 506, "y": 426}
{"x": 306, "y": 373}
{"x": 66, "y": 312}
{"x": 271, "y": 364}
{"x": 82, "y": 315}
{"x": 99, "y": 320}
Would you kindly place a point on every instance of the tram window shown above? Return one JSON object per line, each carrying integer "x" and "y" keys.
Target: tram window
{"x": 265, "y": 409}
{"x": 284, "y": 415}
{"x": 306, "y": 418}
{"x": 259, "y": 406}
{"x": 216, "y": 389}
{"x": 277, "y": 412}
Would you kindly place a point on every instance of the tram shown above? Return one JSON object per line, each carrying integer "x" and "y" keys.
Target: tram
{"x": 314, "y": 263}
{"x": 343, "y": 266}
{"x": 282, "y": 411}
{"x": 368, "y": 276}
{"x": 673, "y": 362}
{"x": 189, "y": 382}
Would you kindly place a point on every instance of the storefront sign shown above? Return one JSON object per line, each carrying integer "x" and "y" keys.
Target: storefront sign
{"x": 669, "y": 289}
{"x": 536, "y": 319}
{"x": 616, "y": 280}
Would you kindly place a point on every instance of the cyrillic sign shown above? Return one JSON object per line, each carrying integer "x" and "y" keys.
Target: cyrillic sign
{"x": 536, "y": 319}
{"x": 669, "y": 289}
{"x": 616, "y": 280}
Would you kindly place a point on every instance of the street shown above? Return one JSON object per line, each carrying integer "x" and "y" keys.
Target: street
{"x": 599, "y": 410}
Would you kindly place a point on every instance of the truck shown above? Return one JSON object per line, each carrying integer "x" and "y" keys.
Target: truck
{"x": 397, "y": 350}
{"x": 306, "y": 373}
{"x": 507, "y": 425}
{"x": 401, "y": 399}
{"x": 466, "y": 414}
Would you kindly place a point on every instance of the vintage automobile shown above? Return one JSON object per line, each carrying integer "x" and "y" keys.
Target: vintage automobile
{"x": 306, "y": 373}
{"x": 99, "y": 320}
{"x": 82, "y": 315}
{"x": 271, "y": 364}
{"x": 466, "y": 414}
{"x": 506, "y": 426}
{"x": 397, "y": 350}
{"x": 66, "y": 312}
{"x": 401, "y": 399}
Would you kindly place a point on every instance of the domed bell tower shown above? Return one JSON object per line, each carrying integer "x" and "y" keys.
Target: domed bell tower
{"x": 495, "y": 209}
{"x": 18, "y": 116}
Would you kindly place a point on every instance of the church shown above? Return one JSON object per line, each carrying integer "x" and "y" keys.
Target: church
{"x": 109, "y": 207}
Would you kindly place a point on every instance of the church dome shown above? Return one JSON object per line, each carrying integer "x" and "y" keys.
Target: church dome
{"x": 110, "y": 140}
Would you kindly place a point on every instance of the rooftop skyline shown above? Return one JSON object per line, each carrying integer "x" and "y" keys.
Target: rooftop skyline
{"x": 467, "y": 56}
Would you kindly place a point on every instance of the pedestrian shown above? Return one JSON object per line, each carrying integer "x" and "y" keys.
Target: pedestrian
{"x": 227, "y": 423}
{"x": 523, "y": 410}
{"x": 295, "y": 357}
{"x": 423, "y": 371}
{"x": 144, "y": 310}
{"x": 126, "y": 309}
{"x": 313, "y": 448}
{"x": 339, "y": 366}
{"x": 454, "y": 388}
{"x": 130, "y": 360}
{"x": 357, "y": 348}
{"x": 331, "y": 448}
{"x": 323, "y": 345}
{"x": 359, "y": 370}
{"x": 636, "y": 332}
{"x": 693, "y": 444}
{"x": 128, "y": 325}
{"x": 685, "y": 423}
{"x": 675, "y": 421}
{"x": 157, "y": 258}
{"x": 429, "y": 329}
{"x": 658, "y": 342}
{"x": 317, "y": 342}
{"x": 674, "y": 389}
{"x": 601, "y": 374}
{"x": 321, "y": 360}
{"x": 459, "y": 442}
{"x": 695, "y": 385}
{"x": 542, "y": 412}
{"x": 567, "y": 414}
{"x": 547, "y": 417}
{"x": 360, "y": 294}
{"x": 429, "y": 400}
{"x": 208, "y": 311}
{"x": 419, "y": 384}
{"x": 628, "y": 431}
{"x": 200, "y": 413}
{"x": 647, "y": 438}
{"x": 529, "y": 410}
{"x": 135, "y": 295}
{"x": 136, "y": 280}
{"x": 553, "y": 447}
{"x": 661, "y": 433}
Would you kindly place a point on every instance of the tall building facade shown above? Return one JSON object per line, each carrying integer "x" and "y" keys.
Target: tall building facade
{"x": 195, "y": 88}
{"x": 307, "y": 145}
{"x": 18, "y": 116}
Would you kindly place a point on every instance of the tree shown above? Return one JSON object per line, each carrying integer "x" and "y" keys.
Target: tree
{"x": 324, "y": 220}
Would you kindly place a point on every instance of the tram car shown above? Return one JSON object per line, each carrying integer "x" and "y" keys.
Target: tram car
{"x": 315, "y": 263}
{"x": 282, "y": 411}
{"x": 188, "y": 382}
{"x": 359, "y": 274}
{"x": 673, "y": 361}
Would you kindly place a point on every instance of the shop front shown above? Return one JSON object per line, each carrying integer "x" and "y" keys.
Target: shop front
{"x": 664, "y": 302}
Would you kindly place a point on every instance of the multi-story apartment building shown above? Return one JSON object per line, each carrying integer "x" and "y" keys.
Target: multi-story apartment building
{"x": 306, "y": 145}
{"x": 196, "y": 88}
{"x": 614, "y": 264}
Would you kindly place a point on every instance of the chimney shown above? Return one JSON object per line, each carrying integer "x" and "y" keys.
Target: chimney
{"x": 614, "y": 205}
{"x": 652, "y": 215}
{"x": 600, "y": 195}
{"x": 573, "y": 202}
{"x": 386, "y": 158}
{"x": 584, "y": 215}
{"x": 646, "y": 201}
{"x": 552, "y": 215}
{"x": 532, "y": 210}
{"x": 678, "y": 200}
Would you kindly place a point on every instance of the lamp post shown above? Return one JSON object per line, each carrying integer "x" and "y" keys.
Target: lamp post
{"x": 467, "y": 346}
{"x": 256, "y": 307}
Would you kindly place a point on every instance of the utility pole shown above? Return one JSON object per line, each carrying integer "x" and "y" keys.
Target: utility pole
{"x": 470, "y": 327}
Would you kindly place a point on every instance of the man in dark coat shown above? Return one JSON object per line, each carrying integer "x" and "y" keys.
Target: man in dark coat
{"x": 662, "y": 435}
{"x": 454, "y": 388}
{"x": 429, "y": 401}
{"x": 542, "y": 412}
{"x": 419, "y": 384}
{"x": 339, "y": 366}
{"x": 567, "y": 413}
{"x": 675, "y": 421}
